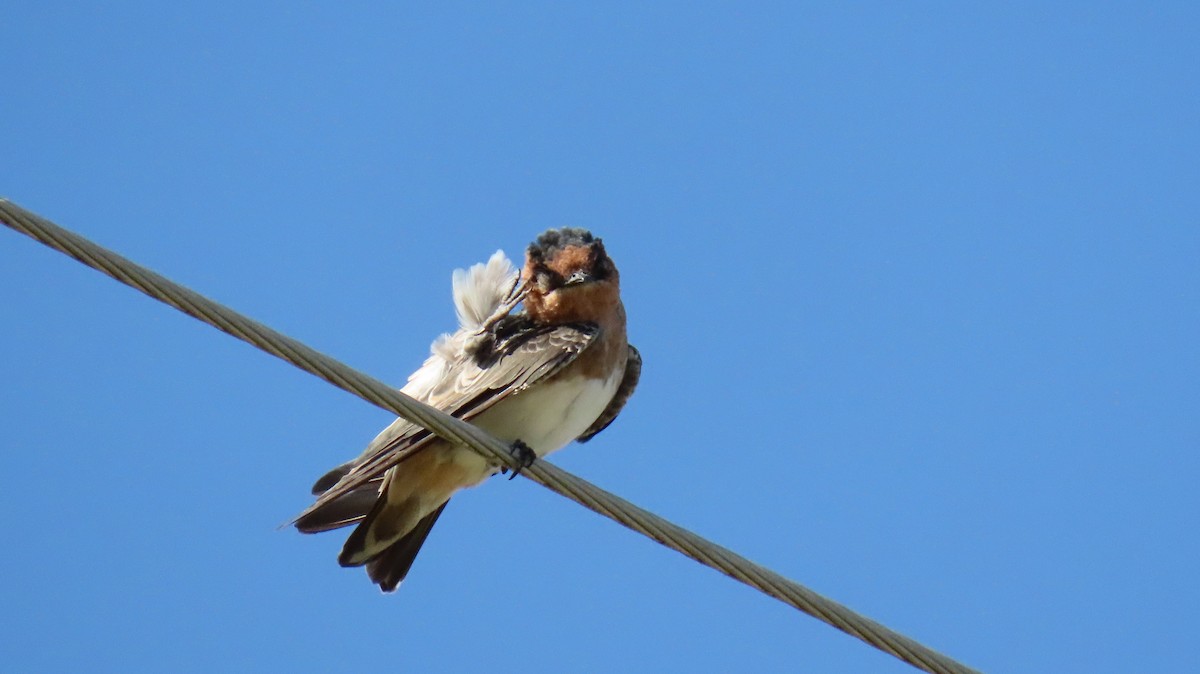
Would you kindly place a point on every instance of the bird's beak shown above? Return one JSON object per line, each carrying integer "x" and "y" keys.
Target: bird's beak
{"x": 578, "y": 277}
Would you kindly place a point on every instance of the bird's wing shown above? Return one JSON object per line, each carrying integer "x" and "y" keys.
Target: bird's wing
{"x": 633, "y": 371}
{"x": 468, "y": 389}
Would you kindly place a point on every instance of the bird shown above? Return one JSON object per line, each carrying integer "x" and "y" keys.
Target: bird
{"x": 540, "y": 358}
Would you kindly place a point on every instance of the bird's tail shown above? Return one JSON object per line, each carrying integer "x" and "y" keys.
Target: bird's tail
{"x": 392, "y": 565}
{"x": 388, "y": 539}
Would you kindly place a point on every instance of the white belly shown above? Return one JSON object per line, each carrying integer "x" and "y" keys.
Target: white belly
{"x": 546, "y": 417}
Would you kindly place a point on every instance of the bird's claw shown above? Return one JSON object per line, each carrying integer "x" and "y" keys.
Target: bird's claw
{"x": 524, "y": 455}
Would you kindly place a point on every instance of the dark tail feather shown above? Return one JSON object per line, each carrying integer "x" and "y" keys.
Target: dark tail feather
{"x": 326, "y": 481}
{"x": 341, "y": 512}
{"x": 391, "y": 566}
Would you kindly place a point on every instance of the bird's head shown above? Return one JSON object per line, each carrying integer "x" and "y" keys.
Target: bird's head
{"x": 569, "y": 276}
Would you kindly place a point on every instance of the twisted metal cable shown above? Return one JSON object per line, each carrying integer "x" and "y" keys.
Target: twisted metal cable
{"x": 377, "y": 393}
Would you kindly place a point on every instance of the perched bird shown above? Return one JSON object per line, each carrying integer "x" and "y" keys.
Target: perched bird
{"x": 539, "y": 359}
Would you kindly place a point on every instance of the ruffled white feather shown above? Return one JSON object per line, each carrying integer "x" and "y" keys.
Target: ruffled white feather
{"x": 479, "y": 292}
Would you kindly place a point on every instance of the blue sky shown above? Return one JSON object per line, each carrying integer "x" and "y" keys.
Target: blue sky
{"x": 915, "y": 285}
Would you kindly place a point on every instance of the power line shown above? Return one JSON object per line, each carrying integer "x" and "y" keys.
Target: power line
{"x": 542, "y": 472}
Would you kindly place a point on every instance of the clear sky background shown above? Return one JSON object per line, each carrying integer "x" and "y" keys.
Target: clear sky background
{"x": 916, "y": 286}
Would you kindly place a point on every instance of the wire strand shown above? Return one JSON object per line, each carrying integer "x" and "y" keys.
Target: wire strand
{"x": 546, "y": 474}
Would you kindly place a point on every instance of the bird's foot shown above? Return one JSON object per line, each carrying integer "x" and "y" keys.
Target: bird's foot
{"x": 524, "y": 455}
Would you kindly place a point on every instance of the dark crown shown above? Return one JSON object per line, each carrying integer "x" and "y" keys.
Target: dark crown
{"x": 554, "y": 240}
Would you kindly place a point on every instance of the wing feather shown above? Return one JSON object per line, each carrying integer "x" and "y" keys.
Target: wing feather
{"x": 633, "y": 372}
{"x": 469, "y": 388}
